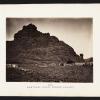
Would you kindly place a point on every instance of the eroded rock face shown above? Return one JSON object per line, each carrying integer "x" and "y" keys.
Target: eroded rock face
{"x": 31, "y": 45}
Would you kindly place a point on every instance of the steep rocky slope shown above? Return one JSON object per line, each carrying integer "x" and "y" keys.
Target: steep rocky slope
{"x": 32, "y": 46}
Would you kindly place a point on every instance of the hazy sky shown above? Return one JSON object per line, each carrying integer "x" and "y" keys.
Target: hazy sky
{"x": 73, "y": 31}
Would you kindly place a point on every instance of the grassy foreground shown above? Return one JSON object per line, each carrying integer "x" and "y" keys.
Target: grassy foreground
{"x": 68, "y": 73}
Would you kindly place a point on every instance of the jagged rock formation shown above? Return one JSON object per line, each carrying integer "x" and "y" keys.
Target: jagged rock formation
{"x": 32, "y": 46}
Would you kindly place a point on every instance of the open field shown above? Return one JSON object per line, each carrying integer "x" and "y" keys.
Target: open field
{"x": 68, "y": 73}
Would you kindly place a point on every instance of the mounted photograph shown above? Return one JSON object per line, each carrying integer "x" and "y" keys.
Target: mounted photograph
{"x": 49, "y": 50}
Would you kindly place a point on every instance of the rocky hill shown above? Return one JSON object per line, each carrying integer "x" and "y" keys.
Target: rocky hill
{"x": 32, "y": 46}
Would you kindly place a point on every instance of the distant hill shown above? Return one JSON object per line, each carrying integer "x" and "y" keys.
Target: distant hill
{"x": 32, "y": 46}
{"x": 89, "y": 59}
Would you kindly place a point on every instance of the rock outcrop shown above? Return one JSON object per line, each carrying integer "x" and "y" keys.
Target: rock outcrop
{"x": 32, "y": 46}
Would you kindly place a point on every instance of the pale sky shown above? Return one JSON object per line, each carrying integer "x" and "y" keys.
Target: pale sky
{"x": 76, "y": 32}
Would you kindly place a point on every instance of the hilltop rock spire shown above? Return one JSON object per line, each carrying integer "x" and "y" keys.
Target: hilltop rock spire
{"x": 30, "y": 27}
{"x": 27, "y": 32}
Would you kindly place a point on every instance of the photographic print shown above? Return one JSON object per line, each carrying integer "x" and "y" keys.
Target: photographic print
{"x": 49, "y": 50}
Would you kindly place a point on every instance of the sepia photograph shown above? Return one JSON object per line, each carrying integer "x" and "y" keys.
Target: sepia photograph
{"x": 49, "y": 50}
